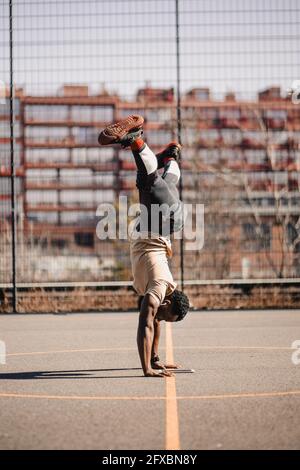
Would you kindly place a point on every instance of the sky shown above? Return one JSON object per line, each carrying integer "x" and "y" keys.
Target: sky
{"x": 226, "y": 45}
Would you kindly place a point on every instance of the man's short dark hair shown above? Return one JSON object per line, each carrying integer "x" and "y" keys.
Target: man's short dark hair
{"x": 180, "y": 304}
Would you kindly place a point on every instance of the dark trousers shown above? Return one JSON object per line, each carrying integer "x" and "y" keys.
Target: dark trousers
{"x": 161, "y": 208}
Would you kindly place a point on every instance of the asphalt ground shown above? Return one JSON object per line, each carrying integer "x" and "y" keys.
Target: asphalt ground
{"x": 74, "y": 382}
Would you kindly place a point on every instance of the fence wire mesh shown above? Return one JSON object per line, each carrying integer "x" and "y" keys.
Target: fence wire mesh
{"x": 213, "y": 73}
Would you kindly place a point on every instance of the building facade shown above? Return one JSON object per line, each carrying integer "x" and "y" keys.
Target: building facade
{"x": 240, "y": 159}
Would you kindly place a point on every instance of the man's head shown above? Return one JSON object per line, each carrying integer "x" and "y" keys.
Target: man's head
{"x": 174, "y": 307}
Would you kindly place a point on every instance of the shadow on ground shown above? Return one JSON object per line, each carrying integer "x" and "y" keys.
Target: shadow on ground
{"x": 70, "y": 374}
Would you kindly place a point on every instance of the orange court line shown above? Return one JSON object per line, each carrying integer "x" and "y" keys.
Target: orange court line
{"x": 204, "y": 348}
{"x": 241, "y": 395}
{"x": 172, "y": 423}
{"x": 275, "y": 348}
{"x": 63, "y": 351}
{"x": 190, "y": 397}
{"x": 75, "y": 397}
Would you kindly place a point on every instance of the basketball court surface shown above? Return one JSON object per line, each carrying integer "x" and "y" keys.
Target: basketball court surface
{"x": 74, "y": 382}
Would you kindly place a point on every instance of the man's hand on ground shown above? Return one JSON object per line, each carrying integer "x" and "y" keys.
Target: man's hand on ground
{"x": 161, "y": 373}
{"x": 159, "y": 365}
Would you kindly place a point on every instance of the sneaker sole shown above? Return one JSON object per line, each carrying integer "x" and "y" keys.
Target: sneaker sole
{"x": 114, "y": 132}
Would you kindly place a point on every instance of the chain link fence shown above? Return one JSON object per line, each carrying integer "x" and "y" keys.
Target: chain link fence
{"x": 212, "y": 74}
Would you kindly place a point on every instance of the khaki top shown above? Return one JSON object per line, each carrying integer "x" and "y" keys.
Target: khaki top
{"x": 150, "y": 268}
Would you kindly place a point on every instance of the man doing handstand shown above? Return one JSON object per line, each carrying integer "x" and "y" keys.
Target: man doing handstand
{"x": 161, "y": 215}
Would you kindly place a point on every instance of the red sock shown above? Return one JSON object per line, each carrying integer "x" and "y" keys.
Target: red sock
{"x": 137, "y": 145}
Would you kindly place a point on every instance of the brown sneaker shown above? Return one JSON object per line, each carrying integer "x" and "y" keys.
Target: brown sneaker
{"x": 172, "y": 150}
{"x": 123, "y": 132}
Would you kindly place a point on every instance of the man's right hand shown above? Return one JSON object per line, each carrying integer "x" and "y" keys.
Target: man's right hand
{"x": 156, "y": 373}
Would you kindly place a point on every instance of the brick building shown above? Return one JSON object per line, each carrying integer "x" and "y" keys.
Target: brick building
{"x": 241, "y": 159}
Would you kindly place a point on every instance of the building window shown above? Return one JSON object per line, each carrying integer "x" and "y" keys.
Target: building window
{"x": 84, "y": 239}
{"x": 59, "y": 243}
{"x": 256, "y": 237}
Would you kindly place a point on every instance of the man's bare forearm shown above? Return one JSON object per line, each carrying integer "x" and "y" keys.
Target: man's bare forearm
{"x": 145, "y": 333}
{"x": 155, "y": 338}
{"x": 144, "y": 341}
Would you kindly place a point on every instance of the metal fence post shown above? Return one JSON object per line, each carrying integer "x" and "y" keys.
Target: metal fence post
{"x": 178, "y": 108}
{"x": 12, "y": 163}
